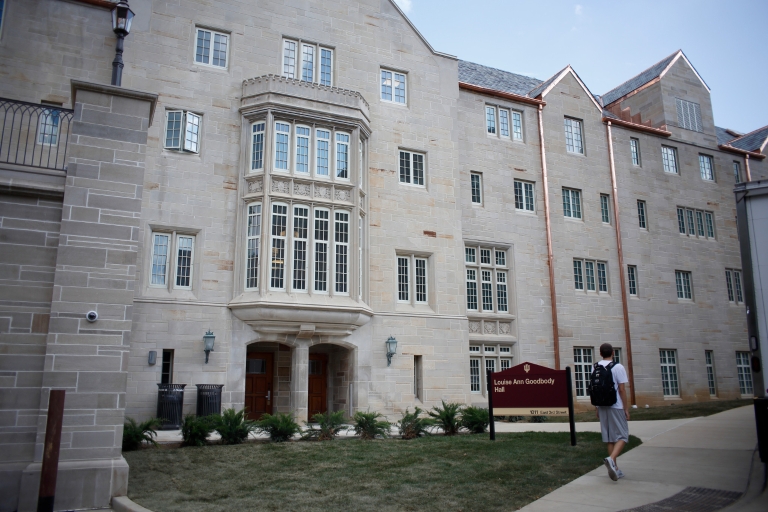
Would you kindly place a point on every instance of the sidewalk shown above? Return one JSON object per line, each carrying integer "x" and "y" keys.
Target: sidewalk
{"x": 714, "y": 452}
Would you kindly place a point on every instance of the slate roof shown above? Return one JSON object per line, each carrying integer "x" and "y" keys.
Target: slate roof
{"x": 540, "y": 89}
{"x": 723, "y": 137}
{"x": 492, "y": 78}
{"x": 638, "y": 80}
{"x": 751, "y": 141}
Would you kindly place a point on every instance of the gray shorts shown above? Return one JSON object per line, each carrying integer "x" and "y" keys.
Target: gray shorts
{"x": 613, "y": 424}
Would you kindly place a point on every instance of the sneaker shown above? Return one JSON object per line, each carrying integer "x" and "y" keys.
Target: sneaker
{"x": 611, "y": 466}
{"x": 619, "y": 473}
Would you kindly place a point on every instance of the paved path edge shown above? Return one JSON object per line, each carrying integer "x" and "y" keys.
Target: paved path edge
{"x": 125, "y": 504}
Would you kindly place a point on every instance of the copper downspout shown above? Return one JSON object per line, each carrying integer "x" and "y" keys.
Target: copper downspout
{"x": 621, "y": 264}
{"x": 749, "y": 174}
{"x": 550, "y": 257}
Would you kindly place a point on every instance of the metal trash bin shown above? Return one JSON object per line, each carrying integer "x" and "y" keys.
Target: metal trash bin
{"x": 208, "y": 399}
{"x": 170, "y": 403}
{"x": 761, "y": 418}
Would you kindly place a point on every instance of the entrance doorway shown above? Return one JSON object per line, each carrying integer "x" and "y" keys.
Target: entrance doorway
{"x": 258, "y": 384}
{"x": 318, "y": 384}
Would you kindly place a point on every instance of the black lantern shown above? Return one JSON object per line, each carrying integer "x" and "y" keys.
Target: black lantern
{"x": 208, "y": 340}
{"x": 391, "y": 349}
{"x": 122, "y": 16}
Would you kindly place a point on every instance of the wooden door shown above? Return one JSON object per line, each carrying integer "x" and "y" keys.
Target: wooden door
{"x": 318, "y": 384}
{"x": 258, "y": 384}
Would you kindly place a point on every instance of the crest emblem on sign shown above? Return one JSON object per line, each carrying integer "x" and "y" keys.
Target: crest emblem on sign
{"x": 527, "y": 368}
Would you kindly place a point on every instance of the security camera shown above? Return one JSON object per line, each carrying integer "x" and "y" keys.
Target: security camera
{"x": 92, "y": 316}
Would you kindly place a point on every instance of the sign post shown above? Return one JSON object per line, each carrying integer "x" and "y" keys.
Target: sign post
{"x": 571, "y": 419}
{"x": 491, "y": 424}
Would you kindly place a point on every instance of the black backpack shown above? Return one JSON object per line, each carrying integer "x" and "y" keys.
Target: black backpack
{"x": 601, "y": 388}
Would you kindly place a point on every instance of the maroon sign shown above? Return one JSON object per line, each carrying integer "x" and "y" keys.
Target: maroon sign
{"x": 530, "y": 390}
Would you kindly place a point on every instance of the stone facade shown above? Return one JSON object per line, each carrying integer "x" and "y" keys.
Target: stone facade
{"x": 83, "y": 237}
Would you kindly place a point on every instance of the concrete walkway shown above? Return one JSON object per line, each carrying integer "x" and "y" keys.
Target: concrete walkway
{"x": 714, "y": 452}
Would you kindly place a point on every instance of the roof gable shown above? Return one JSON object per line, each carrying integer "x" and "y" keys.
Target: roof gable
{"x": 752, "y": 141}
{"x": 496, "y": 79}
{"x": 639, "y": 80}
{"x": 419, "y": 34}
{"x": 543, "y": 89}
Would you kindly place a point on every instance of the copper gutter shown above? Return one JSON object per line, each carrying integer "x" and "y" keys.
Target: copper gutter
{"x": 639, "y": 127}
{"x": 749, "y": 174}
{"x": 550, "y": 256}
{"x": 726, "y": 147}
{"x": 501, "y": 94}
{"x": 624, "y": 306}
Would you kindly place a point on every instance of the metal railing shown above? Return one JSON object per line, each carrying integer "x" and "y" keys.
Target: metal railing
{"x": 34, "y": 135}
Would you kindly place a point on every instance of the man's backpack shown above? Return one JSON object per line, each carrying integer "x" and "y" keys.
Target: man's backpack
{"x": 601, "y": 388}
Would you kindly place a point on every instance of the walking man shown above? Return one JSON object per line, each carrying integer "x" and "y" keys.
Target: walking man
{"x": 608, "y": 393}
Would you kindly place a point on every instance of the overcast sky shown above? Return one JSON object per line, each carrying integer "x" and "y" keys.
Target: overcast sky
{"x": 608, "y": 42}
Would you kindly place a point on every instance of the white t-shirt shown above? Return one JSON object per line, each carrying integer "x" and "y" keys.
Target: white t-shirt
{"x": 619, "y": 377}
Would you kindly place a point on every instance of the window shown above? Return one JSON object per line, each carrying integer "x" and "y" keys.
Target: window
{"x": 293, "y": 153}
{"x": 177, "y": 257}
{"x": 605, "y": 211}
{"x": 393, "y": 86}
{"x": 683, "y": 281}
{"x": 634, "y": 148}
{"x": 641, "y": 215}
{"x": 710, "y": 362}
{"x": 632, "y": 278}
{"x": 257, "y": 146}
{"x": 582, "y": 368}
{"x": 669, "y": 159}
{"x": 312, "y": 69}
{"x": 321, "y": 249}
{"x": 745, "y": 373}
{"x": 572, "y": 203}
{"x": 300, "y": 239}
{"x": 418, "y": 392}
{"x": 688, "y": 115}
{"x": 733, "y": 282}
{"x": 341, "y": 249}
{"x": 2, "y": 8}
{"x": 48, "y": 122}
{"x": 160, "y": 242}
{"x": 497, "y": 122}
{"x": 477, "y": 187}
{"x": 706, "y": 166}
{"x": 504, "y": 123}
{"x": 342, "y": 155}
{"x": 669, "y": 382}
{"x": 282, "y": 135}
{"x": 491, "y": 358}
{"x": 322, "y": 151}
{"x": 492, "y": 274}
{"x": 411, "y": 279}
{"x": 578, "y": 275}
{"x": 412, "y": 168}
{"x": 490, "y": 120}
{"x": 203, "y": 54}
{"x": 184, "y": 249}
{"x": 737, "y": 172}
{"x": 279, "y": 237}
{"x": 474, "y": 375}
{"x": 301, "y": 155}
{"x": 595, "y": 273}
{"x": 524, "y": 196}
{"x": 166, "y": 370}
{"x": 182, "y": 131}
{"x": 573, "y": 140}
{"x": 517, "y": 125}
{"x": 253, "y": 236}
{"x": 696, "y": 222}
{"x": 617, "y": 355}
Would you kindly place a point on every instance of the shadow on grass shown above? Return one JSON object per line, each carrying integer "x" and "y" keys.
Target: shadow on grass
{"x": 466, "y": 472}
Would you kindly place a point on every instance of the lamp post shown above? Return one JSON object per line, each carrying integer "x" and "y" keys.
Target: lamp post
{"x": 208, "y": 340}
{"x": 391, "y": 349}
{"x": 122, "y": 16}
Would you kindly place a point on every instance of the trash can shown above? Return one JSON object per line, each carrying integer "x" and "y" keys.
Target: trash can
{"x": 208, "y": 399}
{"x": 761, "y": 418}
{"x": 170, "y": 402}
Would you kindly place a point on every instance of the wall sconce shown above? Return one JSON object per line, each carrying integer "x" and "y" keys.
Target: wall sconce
{"x": 152, "y": 358}
{"x": 391, "y": 349}
{"x": 208, "y": 341}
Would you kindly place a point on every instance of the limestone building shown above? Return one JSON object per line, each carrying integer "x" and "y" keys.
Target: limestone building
{"x": 306, "y": 180}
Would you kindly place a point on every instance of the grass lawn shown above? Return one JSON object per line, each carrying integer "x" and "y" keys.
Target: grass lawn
{"x": 667, "y": 412}
{"x": 466, "y": 472}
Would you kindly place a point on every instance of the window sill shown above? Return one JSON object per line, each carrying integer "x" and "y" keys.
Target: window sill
{"x": 209, "y": 67}
{"x": 526, "y": 212}
{"x": 411, "y": 186}
{"x": 574, "y": 219}
{"x": 582, "y": 155}
{"x": 673, "y": 399}
{"x": 394, "y": 104}
{"x": 181, "y": 154}
{"x": 404, "y": 307}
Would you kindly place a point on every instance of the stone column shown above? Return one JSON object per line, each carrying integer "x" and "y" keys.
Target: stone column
{"x": 95, "y": 271}
{"x": 300, "y": 380}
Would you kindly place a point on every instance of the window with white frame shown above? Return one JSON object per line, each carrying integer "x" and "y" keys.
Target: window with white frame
{"x": 393, "y": 87}
{"x": 617, "y": 355}
{"x": 709, "y": 359}
{"x": 573, "y": 138}
{"x": 322, "y": 152}
{"x": 322, "y": 249}
{"x": 733, "y": 283}
{"x": 592, "y": 273}
{"x": 257, "y": 146}
{"x": 486, "y": 358}
{"x": 697, "y": 223}
{"x": 641, "y": 220}
{"x": 688, "y": 115}
{"x": 707, "y": 168}
{"x": 517, "y": 125}
{"x": 669, "y": 383}
{"x": 2, "y": 10}
{"x": 632, "y": 278}
{"x": 737, "y": 172}
{"x": 341, "y": 251}
{"x": 48, "y": 126}
{"x": 412, "y": 168}
{"x": 634, "y": 148}
{"x": 669, "y": 159}
{"x": 342, "y": 155}
{"x": 524, "y": 198}
{"x": 253, "y": 245}
{"x": 487, "y": 280}
{"x": 683, "y": 283}
{"x": 300, "y": 246}
{"x": 293, "y": 150}
{"x": 212, "y": 48}
{"x": 476, "y": 180}
{"x": 412, "y": 279}
{"x": 279, "y": 238}
{"x": 572, "y": 203}
{"x": 582, "y": 369}
{"x": 308, "y": 62}
{"x": 605, "y": 209}
{"x": 172, "y": 260}
{"x": 301, "y": 145}
{"x": 182, "y": 131}
{"x": 744, "y": 372}
{"x": 504, "y": 123}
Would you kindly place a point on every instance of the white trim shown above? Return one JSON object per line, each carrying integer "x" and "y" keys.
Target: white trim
{"x": 213, "y": 33}
{"x": 176, "y": 248}
{"x": 672, "y": 63}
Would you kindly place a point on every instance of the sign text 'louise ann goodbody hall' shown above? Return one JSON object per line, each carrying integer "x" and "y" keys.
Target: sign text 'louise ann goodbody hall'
{"x": 530, "y": 389}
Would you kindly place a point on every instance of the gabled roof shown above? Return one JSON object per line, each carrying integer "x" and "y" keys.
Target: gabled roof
{"x": 752, "y": 141}
{"x": 723, "y": 137}
{"x": 639, "y": 80}
{"x": 496, "y": 79}
{"x": 547, "y": 86}
{"x": 418, "y": 34}
{"x": 536, "y": 91}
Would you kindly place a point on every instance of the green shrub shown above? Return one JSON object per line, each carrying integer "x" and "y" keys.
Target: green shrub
{"x": 195, "y": 430}
{"x": 411, "y": 426}
{"x": 325, "y": 426}
{"x": 447, "y": 417}
{"x": 280, "y": 427}
{"x": 368, "y": 426}
{"x": 234, "y": 426}
{"x": 474, "y": 419}
{"x": 515, "y": 419}
{"x": 136, "y": 434}
{"x": 538, "y": 419}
